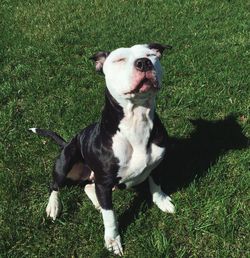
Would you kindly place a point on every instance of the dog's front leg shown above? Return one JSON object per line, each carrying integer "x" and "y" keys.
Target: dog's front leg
{"x": 111, "y": 234}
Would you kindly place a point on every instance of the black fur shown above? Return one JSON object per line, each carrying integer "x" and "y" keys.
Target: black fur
{"x": 57, "y": 138}
{"x": 159, "y": 47}
{"x": 70, "y": 155}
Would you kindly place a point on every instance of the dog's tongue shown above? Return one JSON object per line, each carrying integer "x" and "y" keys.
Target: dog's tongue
{"x": 145, "y": 86}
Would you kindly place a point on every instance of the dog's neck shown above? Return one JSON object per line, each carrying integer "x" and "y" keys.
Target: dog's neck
{"x": 137, "y": 110}
{"x": 112, "y": 114}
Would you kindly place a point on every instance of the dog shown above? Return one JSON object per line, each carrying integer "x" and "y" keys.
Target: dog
{"x": 127, "y": 145}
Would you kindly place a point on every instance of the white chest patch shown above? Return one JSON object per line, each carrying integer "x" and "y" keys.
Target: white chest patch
{"x": 130, "y": 146}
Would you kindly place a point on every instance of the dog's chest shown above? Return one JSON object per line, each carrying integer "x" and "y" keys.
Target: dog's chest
{"x": 137, "y": 157}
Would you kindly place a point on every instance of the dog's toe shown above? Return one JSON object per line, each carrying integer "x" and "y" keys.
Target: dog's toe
{"x": 52, "y": 211}
{"x": 114, "y": 245}
{"x": 165, "y": 204}
{"x": 168, "y": 206}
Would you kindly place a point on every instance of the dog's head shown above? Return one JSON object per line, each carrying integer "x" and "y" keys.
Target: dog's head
{"x": 132, "y": 73}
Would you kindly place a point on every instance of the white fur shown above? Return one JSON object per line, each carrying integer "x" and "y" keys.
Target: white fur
{"x": 162, "y": 200}
{"x": 136, "y": 160}
{"x": 111, "y": 235}
{"x": 53, "y": 207}
{"x": 33, "y": 129}
{"x": 90, "y": 191}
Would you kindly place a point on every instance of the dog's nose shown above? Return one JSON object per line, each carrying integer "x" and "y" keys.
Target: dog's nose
{"x": 143, "y": 64}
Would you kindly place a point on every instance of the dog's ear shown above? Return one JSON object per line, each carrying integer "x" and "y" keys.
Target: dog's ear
{"x": 99, "y": 59}
{"x": 158, "y": 48}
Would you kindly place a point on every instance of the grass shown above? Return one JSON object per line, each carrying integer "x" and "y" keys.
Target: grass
{"x": 47, "y": 80}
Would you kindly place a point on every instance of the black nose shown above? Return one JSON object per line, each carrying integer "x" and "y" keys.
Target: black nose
{"x": 143, "y": 64}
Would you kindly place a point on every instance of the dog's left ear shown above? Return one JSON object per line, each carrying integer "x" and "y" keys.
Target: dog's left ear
{"x": 99, "y": 59}
{"x": 158, "y": 48}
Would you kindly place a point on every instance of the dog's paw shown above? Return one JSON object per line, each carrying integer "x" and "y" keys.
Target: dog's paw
{"x": 114, "y": 245}
{"x": 164, "y": 203}
{"x": 53, "y": 207}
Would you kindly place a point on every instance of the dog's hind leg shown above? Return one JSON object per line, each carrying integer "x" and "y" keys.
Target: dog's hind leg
{"x": 90, "y": 191}
{"x": 68, "y": 158}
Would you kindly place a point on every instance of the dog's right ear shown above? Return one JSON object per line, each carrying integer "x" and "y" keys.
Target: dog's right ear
{"x": 158, "y": 48}
{"x": 99, "y": 59}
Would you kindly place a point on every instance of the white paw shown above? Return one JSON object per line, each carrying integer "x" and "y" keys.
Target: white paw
{"x": 164, "y": 202}
{"x": 114, "y": 245}
{"x": 53, "y": 207}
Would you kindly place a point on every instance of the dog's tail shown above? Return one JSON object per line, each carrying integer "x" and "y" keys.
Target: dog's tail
{"x": 57, "y": 138}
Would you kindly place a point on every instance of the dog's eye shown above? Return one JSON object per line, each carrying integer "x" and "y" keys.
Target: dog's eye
{"x": 120, "y": 60}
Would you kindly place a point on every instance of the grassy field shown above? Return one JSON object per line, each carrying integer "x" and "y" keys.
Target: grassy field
{"x": 47, "y": 81}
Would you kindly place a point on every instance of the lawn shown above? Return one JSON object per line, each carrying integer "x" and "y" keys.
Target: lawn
{"x": 48, "y": 81}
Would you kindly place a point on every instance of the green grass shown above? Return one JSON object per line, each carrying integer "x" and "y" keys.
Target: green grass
{"x": 47, "y": 80}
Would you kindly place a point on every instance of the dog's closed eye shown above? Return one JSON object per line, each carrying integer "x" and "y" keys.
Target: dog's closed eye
{"x": 151, "y": 54}
{"x": 122, "y": 59}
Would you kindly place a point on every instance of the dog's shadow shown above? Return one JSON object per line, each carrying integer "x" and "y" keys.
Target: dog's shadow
{"x": 190, "y": 158}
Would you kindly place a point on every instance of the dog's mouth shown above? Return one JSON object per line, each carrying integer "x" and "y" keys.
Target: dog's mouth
{"x": 145, "y": 85}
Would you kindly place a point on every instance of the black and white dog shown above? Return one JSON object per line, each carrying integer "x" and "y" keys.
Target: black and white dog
{"x": 128, "y": 143}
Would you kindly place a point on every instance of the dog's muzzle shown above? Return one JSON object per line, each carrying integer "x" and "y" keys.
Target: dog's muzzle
{"x": 145, "y": 77}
